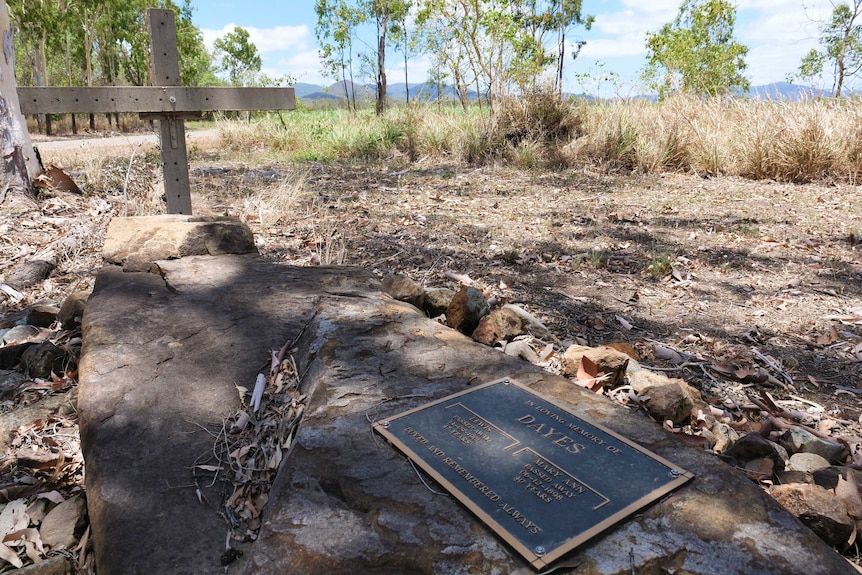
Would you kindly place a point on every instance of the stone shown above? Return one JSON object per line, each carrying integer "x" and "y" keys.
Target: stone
{"x": 23, "y": 333}
{"x": 530, "y": 324}
{"x": 137, "y": 242}
{"x": 437, "y": 300}
{"x": 466, "y": 309}
{"x": 791, "y": 476}
{"x": 10, "y": 381}
{"x": 608, "y": 361}
{"x": 404, "y": 289}
{"x": 43, "y": 409}
{"x": 807, "y": 462}
{"x": 10, "y": 355}
{"x": 507, "y": 323}
{"x": 63, "y": 525}
{"x": 29, "y": 273}
{"x": 57, "y": 565}
{"x": 42, "y": 314}
{"x": 42, "y": 359}
{"x": 844, "y": 482}
{"x": 760, "y": 469}
{"x": 820, "y": 510}
{"x": 798, "y": 439}
{"x": 72, "y": 310}
{"x": 725, "y": 436}
{"x": 752, "y": 447}
{"x": 520, "y": 348}
{"x": 673, "y": 402}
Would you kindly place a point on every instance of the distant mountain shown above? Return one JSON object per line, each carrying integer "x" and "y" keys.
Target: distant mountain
{"x": 429, "y": 91}
{"x": 786, "y": 91}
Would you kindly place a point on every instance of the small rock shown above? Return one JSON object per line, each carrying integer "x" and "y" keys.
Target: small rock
{"x": 10, "y": 355}
{"x": 42, "y": 314}
{"x": 522, "y": 349}
{"x": 29, "y": 273}
{"x": 61, "y": 527}
{"x": 466, "y": 309}
{"x": 807, "y": 462}
{"x": 40, "y": 360}
{"x": 10, "y": 381}
{"x": 57, "y": 565}
{"x": 530, "y": 324}
{"x": 725, "y": 437}
{"x": 751, "y": 447}
{"x": 791, "y": 476}
{"x": 437, "y": 300}
{"x": 817, "y": 508}
{"x": 843, "y": 481}
{"x": 760, "y": 469}
{"x": 404, "y": 289}
{"x": 607, "y": 360}
{"x": 798, "y": 439}
{"x": 23, "y": 333}
{"x": 499, "y": 325}
{"x": 36, "y": 458}
{"x": 72, "y": 310}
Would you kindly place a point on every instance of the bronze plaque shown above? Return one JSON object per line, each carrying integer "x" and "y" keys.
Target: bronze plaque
{"x": 542, "y": 478}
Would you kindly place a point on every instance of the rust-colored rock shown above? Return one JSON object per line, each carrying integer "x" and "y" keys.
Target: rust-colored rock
{"x": 817, "y": 508}
{"x": 466, "y": 309}
{"x": 607, "y": 360}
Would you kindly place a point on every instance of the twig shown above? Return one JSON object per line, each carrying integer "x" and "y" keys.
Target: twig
{"x": 126, "y": 184}
{"x": 764, "y": 359}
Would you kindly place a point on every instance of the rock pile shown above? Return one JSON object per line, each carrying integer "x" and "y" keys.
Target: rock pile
{"x": 816, "y": 477}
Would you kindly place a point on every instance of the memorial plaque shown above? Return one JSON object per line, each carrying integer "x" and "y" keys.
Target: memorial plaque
{"x": 542, "y": 478}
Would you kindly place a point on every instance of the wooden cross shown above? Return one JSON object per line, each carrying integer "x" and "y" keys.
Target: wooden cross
{"x": 166, "y": 101}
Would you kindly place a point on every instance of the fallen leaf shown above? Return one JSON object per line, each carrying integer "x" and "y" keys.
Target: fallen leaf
{"x": 10, "y": 556}
{"x": 667, "y": 354}
{"x": 624, "y": 322}
{"x": 828, "y": 338}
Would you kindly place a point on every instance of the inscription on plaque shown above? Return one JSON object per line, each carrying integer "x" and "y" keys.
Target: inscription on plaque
{"x": 544, "y": 479}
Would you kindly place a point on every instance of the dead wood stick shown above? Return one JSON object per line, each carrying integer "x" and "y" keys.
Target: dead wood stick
{"x": 764, "y": 359}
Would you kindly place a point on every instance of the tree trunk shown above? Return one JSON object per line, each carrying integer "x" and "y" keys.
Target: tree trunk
{"x": 382, "y": 24}
{"x": 19, "y": 159}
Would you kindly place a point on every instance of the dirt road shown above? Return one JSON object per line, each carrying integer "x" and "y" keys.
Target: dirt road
{"x": 120, "y": 140}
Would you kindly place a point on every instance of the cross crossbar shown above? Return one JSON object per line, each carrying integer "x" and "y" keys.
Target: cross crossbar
{"x": 167, "y": 102}
{"x": 155, "y": 99}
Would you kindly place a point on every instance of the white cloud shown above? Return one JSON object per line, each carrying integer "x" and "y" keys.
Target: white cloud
{"x": 266, "y": 39}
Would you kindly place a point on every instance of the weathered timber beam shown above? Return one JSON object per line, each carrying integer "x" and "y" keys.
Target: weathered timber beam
{"x": 161, "y": 99}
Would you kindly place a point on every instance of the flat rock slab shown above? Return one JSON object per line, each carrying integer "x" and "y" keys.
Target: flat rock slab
{"x": 163, "y": 352}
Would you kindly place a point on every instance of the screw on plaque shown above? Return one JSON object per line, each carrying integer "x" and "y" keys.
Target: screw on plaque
{"x": 674, "y": 472}
{"x": 384, "y": 423}
{"x": 539, "y": 551}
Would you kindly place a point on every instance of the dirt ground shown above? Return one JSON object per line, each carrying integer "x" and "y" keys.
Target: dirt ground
{"x": 736, "y": 286}
{"x": 724, "y": 269}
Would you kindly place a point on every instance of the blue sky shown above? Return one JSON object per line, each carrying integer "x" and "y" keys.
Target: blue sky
{"x": 777, "y": 32}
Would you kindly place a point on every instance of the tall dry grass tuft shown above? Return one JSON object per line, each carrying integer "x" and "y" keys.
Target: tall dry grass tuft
{"x": 787, "y": 141}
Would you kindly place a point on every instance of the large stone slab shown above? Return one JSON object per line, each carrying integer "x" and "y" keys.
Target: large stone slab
{"x": 159, "y": 363}
{"x": 163, "y": 352}
{"x": 348, "y": 503}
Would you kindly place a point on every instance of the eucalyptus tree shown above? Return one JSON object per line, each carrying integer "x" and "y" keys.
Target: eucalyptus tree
{"x": 841, "y": 39}
{"x": 238, "y": 56}
{"x": 696, "y": 53}
{"x": 336, "y": 22}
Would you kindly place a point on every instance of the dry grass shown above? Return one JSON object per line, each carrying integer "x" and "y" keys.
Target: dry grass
{"x": 815, "y": 140}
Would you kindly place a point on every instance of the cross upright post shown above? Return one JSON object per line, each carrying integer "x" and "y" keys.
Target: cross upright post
{"x": 172, "y": 129}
